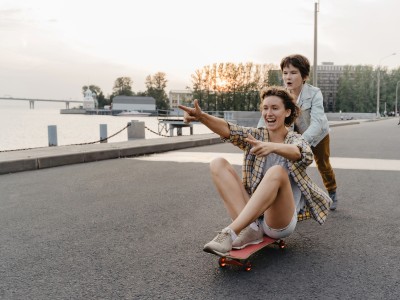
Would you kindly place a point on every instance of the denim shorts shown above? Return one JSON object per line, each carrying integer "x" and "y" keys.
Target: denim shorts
{"x": 280, "y": 233}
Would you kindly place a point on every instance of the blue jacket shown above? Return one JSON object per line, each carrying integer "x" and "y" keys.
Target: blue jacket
{"x": 312, "y": 123}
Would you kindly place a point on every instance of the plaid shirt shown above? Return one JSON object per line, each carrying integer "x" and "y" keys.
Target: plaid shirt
{"x": 317, "y": 201}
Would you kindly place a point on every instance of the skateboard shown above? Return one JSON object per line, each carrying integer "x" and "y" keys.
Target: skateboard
{"x": 240, "y": 257}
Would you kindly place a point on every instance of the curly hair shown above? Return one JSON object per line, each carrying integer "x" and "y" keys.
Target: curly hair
{"x": 287, "y": 101}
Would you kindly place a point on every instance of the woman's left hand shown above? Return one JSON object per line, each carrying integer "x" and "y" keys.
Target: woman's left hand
{"x": 259, "y": 148}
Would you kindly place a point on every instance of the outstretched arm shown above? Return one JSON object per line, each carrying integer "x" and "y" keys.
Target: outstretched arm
{"x": 259, "y": 148}
{"x": 217, "y": 125}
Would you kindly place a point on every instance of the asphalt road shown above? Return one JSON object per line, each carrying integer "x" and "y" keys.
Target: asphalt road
{"x": 133, "y": 229}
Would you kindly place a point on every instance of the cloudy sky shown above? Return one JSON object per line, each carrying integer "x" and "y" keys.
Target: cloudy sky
{"x": 51, "y": 48}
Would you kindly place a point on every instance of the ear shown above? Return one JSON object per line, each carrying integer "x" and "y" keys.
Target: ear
{"x": 288, "y": 112}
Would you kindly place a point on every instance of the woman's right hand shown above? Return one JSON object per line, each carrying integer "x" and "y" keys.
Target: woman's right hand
{"x": 191, "y": 113}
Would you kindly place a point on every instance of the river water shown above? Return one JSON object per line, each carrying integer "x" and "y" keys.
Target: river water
{"x": 21, "y": 127}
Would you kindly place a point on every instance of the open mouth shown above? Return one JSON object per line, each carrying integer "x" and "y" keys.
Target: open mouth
{"x": 270, "y": 121}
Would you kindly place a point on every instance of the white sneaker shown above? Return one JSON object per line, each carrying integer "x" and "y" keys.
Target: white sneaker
{"x": 248, "y": 236}
{"x": 221, "y": 244}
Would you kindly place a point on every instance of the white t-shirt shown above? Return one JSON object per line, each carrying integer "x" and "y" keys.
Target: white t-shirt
{"x": 273, "y": 159}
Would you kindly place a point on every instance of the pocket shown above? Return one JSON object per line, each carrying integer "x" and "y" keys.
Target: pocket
{"x": 306, "y": 105}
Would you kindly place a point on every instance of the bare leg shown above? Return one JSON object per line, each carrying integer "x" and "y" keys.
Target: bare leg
{"x": 229, "y": 186}
{"x": 273, "y": 197}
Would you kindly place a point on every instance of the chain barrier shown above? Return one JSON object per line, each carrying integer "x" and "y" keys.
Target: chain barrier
{"x": 160, "y": 134}
{"x": 21, "y": 149}
{"x": 99, "y": 141}
{"x": 157, "y": 133}
{"x": 80, "y": 144}
{"x": 102, "y": 140}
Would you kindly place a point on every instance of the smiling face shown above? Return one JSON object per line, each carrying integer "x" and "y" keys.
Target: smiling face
{"x": 293, "y": 79}
{"x": 274, "y": 113}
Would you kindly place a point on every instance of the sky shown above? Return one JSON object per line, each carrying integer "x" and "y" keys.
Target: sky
{"x": 49, "y": 49}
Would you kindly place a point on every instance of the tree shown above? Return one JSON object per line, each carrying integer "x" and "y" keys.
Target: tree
{"x": 156, "y": 85}
{"x": 93, "y": 88}
{"x": 356, "y": 89}
{"x": 198, "y": 86}
{"x": 275, "y": 77}
{"x": 102, "y": 100}
{"x": 123, "y": 86}
{"x": 394, "y": 77}
{"x": 229, "y": 86}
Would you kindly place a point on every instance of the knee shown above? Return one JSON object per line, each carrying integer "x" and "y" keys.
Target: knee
{"x": 277, "y": 173}
{"x": 218, "y": 164}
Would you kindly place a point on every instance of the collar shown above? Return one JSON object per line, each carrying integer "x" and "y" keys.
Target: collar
{"x": 301, "y": 92}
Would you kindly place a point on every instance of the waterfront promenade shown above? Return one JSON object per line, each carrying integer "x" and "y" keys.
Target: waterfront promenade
{"x": 132, "y": 228}
{"x": 46, "y": 157}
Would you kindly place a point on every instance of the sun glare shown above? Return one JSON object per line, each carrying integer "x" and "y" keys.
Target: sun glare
{"x": 220, "y": 84}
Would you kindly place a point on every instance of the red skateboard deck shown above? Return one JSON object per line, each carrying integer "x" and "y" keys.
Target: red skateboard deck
{"x": 240, "y": 257}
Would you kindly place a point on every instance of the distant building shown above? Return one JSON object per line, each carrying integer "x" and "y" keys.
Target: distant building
{"x": 137, "y": 103}
{"x": 177, "y": 97}
{"x": 328, "y": 82}
{"x": 89, "y": 100}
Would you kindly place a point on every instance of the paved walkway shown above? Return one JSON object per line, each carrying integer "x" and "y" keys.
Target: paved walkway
{"x": 134, "y": 229}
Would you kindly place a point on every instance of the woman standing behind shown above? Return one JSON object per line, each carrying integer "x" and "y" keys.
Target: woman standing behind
{"x": 312, "y": 123}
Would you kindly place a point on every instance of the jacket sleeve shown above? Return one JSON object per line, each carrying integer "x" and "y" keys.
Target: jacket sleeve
{"x": 318, "y": 120}
{"x": 305, "y": 151}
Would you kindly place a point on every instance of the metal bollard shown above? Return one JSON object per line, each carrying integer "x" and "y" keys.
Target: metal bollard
{"x": 52, "y": 133}
{"x": 103, "y": 133}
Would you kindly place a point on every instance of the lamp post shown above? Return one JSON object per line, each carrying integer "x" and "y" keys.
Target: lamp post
{"x": 395, "y": 108}
{"x": 316, "y": 10}
{"x": 379, "y": 84}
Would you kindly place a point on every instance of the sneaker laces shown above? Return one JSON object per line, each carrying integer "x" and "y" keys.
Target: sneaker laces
{"x": 221, "y": 236}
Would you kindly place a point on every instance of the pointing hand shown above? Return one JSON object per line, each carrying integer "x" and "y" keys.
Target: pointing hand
{"x": 259, "y": 148}
{"x": 191, "y": 113}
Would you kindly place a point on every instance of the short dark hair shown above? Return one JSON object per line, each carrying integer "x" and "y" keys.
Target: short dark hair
{"x": 287, "y": 100}
{"x": 298, "y": 61}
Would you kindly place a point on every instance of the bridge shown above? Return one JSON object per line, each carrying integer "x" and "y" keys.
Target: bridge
{"x": 32, "y": 101}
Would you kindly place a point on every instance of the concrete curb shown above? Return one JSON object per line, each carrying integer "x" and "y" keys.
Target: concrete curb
{"x": 41, "y": 158}
{"x": 344, "y": 124}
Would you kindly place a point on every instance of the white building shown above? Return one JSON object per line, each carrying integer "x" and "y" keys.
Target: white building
{"x": 177, "y": 97}
{"x": 136, "y": 103}
{"x": 88, "y": 100}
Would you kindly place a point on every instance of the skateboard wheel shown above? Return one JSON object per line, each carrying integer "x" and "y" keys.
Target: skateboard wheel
{"x": 282, "y": 244}
{"x": 222, "y": 261}
{"x": 247, "y": 267}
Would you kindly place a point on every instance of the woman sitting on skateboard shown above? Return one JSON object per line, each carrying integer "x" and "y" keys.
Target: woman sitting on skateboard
{"x": 275, "y": 183}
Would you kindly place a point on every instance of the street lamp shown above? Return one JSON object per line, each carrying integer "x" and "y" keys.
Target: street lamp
{"x": 397, "y": 88}
{"x": 316, "y": 10}
{"x": 379, "y": 84}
